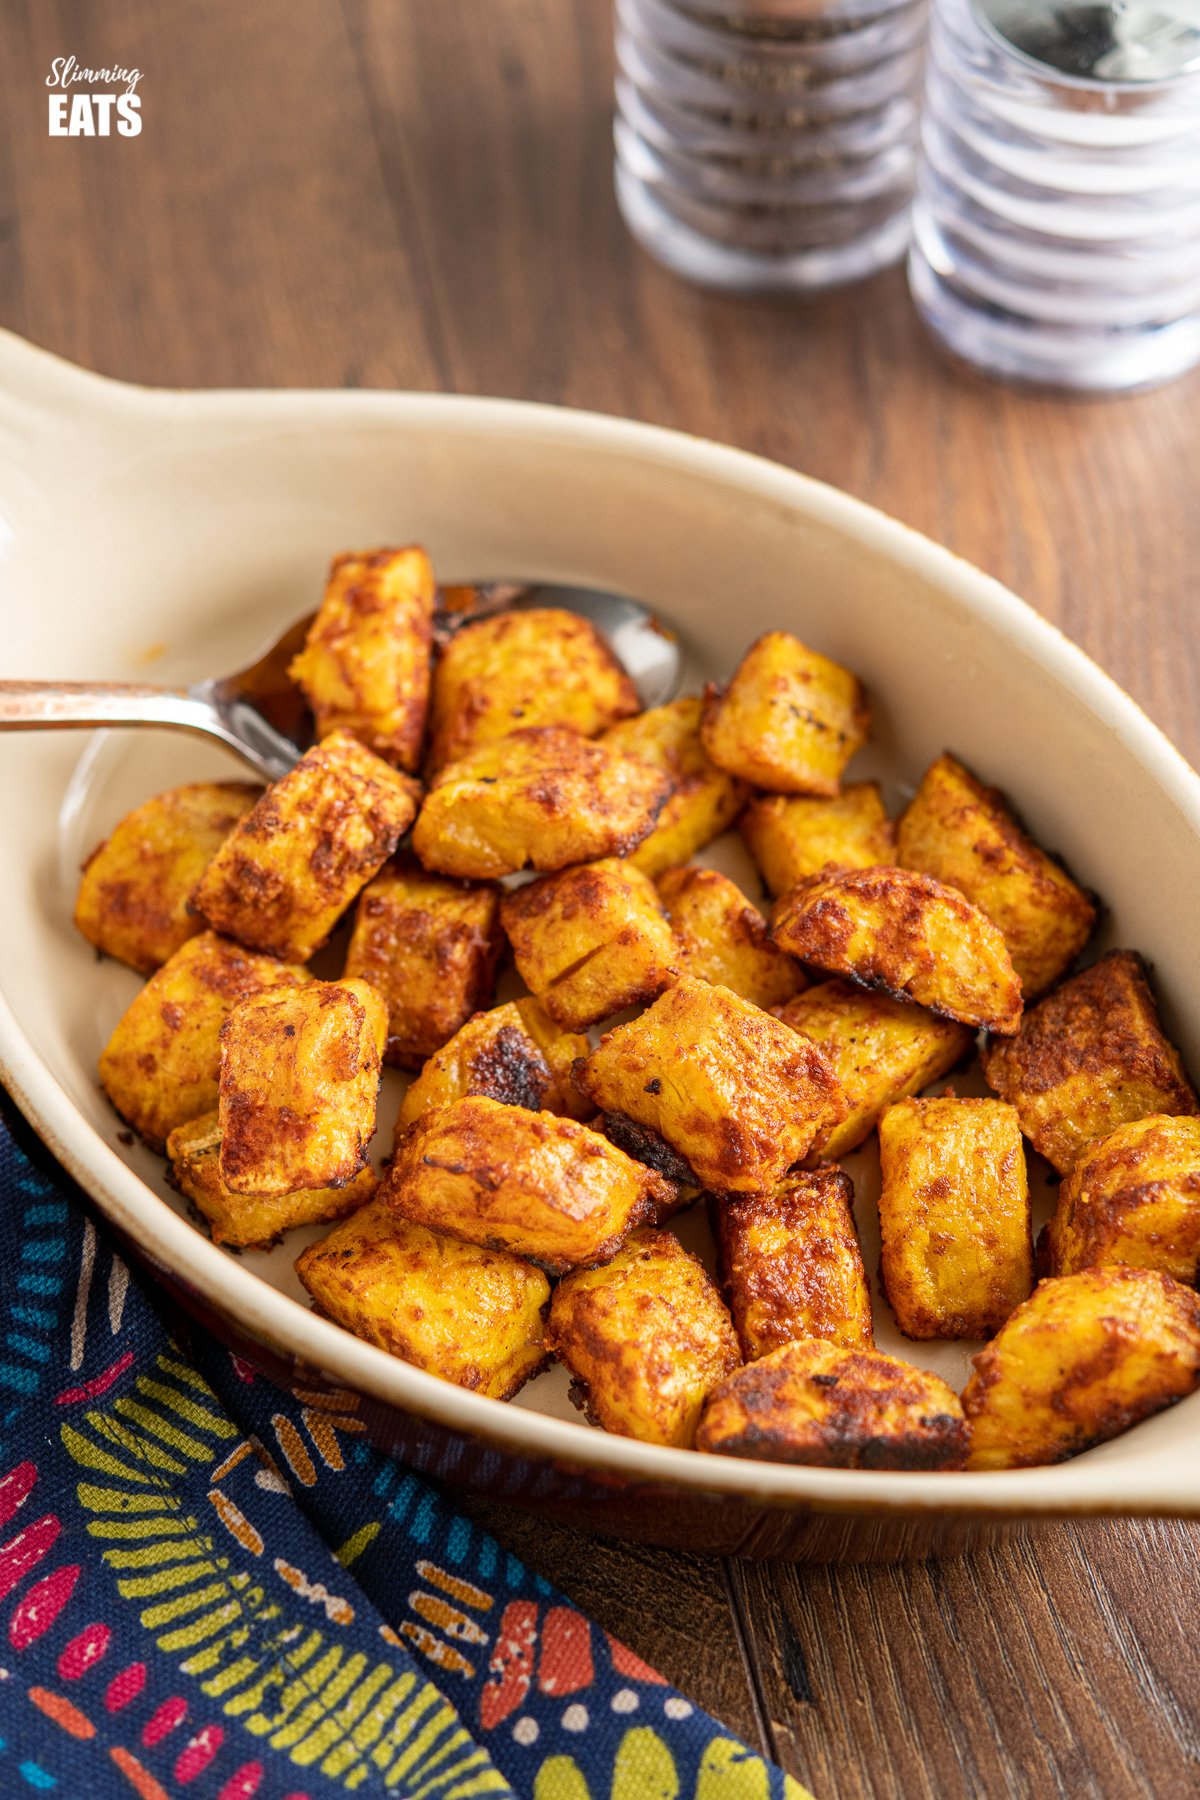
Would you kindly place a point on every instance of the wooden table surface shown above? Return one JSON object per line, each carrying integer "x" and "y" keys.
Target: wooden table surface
{"x": 417, "y": 194}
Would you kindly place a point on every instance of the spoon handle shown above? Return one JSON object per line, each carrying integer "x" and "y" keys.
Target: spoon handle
{"x": 34, "y": 705}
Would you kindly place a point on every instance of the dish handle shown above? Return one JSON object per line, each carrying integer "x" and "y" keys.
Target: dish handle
{"x": 44, "y": 397}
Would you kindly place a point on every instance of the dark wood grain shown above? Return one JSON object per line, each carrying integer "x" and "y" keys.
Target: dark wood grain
{"x": 417, "y": 193}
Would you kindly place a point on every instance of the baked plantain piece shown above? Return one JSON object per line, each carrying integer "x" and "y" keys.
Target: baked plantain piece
{"x": 514, "y": 1053}
{"x": 789, "y": 721}
{"x": 880, "y": 1049}
{"x": 791, "y": 836}
{"x": 250, "y": 1220}
{"x": 475, "y": 1317}
{"x": 704, "y": 800}
{"x": 365, "y": 666}
{"x": 817, "y": 1402}
{"x": 529, "y": 1182}
{"x": 161, "y": 1064}
{"x": 540, "y": 799}
{"x": 1088, "y": 1058}
{"x": 291, "y": 867}
{"x": 733, "y": 1092}
{"x": 133, "y": 896}
{"x": 1132, "y": 1198}
{"x": 300, "y": 1086}
{"x": 725, "y": 939}
{"x": 590, "y": 941}
{"x": 645, "y": 1337}
{"x": 1086, "y": 1357}
{"x": 430, "y": 946}
{"x": 908, "y": 935}
{"x": 964, "y": 834}
{"x": 957, "y": 1248}
{"x": 520, "y": 669}
{"x": 792, "y": 1265}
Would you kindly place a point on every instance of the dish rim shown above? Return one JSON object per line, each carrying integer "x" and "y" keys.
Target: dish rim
{"x": 50, "y": 395}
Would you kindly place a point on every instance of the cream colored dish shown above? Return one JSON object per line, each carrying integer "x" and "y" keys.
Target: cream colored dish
{"x": 160, "y": 536}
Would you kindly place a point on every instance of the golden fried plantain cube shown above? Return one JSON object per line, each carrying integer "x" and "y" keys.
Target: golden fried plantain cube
{"x": 908, "y": 935}
{"x": 817, "y": 1402}
{"x": 472, "y": 1316}
{"x": 292, "y": 866}
{"x": 133, "y": 897}
{"x": 1132, "y": 1198}
{"x": 430, "y": 946}
{"x": 789, "y": 721}
{"x": 521, "y": 669}
{"x": 792, "y": 1264}
{"x": 645, "y": 1338}
{"x": 736, "y": 1094}
{"x": 540, "y": 799}
{"x": 964, "y": 834}
{"x": 365, "y": 665}
{"x": 957, "y": 1248}
{"x": 300, "y": 1086}
{"x": 793, "y": 836}
{"x": 704, "y": 799}
{"x": 725, "y": 939}
{"x": 161, "y": 1064}
{"x": 529, "y": 1182}
{"x": 514, "y": 1053}
{"x": 590, "y": 941}
{"x": 1088, "y": 1058}
{"x": 250, "y": 1220}
{"x": 880, "y": 1049}
{"x": 1086, "y": 1357}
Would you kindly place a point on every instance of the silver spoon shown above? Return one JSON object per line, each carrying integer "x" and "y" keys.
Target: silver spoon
{"x": 261, "y": 715}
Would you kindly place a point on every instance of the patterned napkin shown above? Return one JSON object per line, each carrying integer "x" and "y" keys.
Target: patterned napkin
{"x": 210, "y": 1587}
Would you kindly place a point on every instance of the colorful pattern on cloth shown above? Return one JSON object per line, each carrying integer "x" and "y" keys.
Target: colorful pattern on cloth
{"x": 214, "y": 1590}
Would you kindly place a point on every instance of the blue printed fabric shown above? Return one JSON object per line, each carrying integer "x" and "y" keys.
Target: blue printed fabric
{"x": 214, "y": 1589}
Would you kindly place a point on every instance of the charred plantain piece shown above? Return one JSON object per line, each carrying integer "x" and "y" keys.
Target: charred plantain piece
{"x": 646, "y": 1337}
{"x": 793, "y": 836}
{"x": 510, "y": 1179}
{"x": 590, "y": 941}
{"x": 160, "y": 1067}
{"x": 908, "y": 935}
{"x": 365, "y": 665}
{"x": 514, "y": 1053}
{"x": 1084, "y": 1358}
{"x": 540, "y": 799}
{"x": 251, "y": 1221}
{"x": 542, "y": 666}
{"x": 430, "y": 946}
{"x": 792, "y": 1264}
{"x": 814, "y": 1402}
{"x": 300, "y": 1086}
{"x": 134, "y": 892}
{"x": 790, "y": 719}
{"x": 704, "y": 800}
{"x": 724, "y": 939}
{"x": 290, "y": 868}
{"x": 1132, "y": 1198}
{"x": 964, "y": 834}
{"x": 1088, "y": 1058}
{"x": 475, "y": 1317}
{"x": 731, "y": 1090}
{"x": 957, "y": 1250}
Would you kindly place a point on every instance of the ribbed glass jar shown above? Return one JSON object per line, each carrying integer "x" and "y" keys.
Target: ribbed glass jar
{"x": 1056, "y": 230}
{"x": 768, "y": 145}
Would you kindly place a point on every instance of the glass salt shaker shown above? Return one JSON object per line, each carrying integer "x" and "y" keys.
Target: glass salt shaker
{"x": 1056, "y": 228}
{"x": 768, "y": 145}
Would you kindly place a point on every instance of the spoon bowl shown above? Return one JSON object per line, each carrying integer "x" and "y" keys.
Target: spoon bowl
{"x": 261, "y": 714}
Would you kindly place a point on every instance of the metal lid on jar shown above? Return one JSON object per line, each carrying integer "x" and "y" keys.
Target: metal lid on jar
{"x": 1116, "y": 41}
